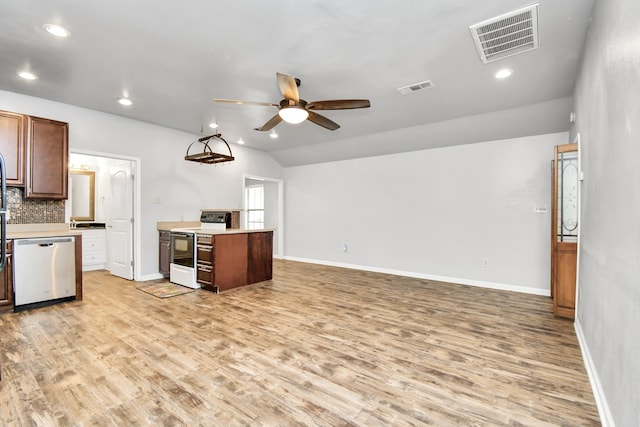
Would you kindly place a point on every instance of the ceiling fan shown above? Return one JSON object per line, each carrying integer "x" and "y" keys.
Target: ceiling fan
{"x": 294, "y": 110}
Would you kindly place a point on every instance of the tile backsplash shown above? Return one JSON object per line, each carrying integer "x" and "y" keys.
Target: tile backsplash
{"x": 33, "y": 211}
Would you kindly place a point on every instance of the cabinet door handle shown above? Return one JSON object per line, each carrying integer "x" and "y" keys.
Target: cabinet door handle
{"x": 205, "y": 248}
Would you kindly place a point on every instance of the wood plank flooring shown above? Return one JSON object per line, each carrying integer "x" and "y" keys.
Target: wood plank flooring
{"x": 316, "y": 345}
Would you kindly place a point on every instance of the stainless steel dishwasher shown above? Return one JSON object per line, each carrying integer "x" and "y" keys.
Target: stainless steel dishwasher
{"x": 44, "y": 271}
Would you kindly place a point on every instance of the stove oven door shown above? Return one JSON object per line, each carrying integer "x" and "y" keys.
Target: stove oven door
{"x": 182, "y": 252}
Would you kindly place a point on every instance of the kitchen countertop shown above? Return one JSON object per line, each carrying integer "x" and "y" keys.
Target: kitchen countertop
{"x": 198, "y": 230}
{"x": 32, "y": 231}
{"x": 170, "y": 225}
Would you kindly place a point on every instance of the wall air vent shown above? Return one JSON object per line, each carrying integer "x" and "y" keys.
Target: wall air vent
{"x": 415, "y": 87}
{"x": 507, "y": 34}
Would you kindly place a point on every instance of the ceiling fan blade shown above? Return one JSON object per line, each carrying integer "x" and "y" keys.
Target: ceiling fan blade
{"x": 271, "y": 123}
{"x": 288, "y": 87}
{"x": 339, "y": 104}
{"x": 323, "y": 121}
{"x": 232, "y": 101}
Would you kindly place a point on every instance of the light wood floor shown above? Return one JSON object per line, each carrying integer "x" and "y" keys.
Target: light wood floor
{"x": 314, "y": 346}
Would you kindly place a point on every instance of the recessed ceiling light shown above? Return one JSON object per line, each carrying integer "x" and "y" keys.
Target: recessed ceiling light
{"x": 27, "y": 75}
{"x": 57, "y": 30}
{"x": 125, "y": 101}
{"x": 213, "y": 125}
{"x": 504, "y": 73}
{"x": 273, "y": 134}
{"x": 240, "y": 141}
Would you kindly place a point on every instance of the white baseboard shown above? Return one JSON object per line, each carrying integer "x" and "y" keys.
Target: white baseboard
{"x": 598, "y": 393}
{"x": 469, "y": 282}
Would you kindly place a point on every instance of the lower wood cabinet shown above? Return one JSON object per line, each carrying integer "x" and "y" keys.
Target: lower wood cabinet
{"x": 230, "y": 262}
{"x": 6, "y": 282}
{"x": 260, "y": 264}
{"x": 227, "y": 261}
{"x": 164, "y": 253}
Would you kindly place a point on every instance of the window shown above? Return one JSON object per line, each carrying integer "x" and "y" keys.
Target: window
{"x": 254, "y": 195}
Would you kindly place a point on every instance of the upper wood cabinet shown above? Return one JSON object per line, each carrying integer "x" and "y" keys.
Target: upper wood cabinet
{"x": 12, "y": 145}
{"x": 47, "y": 162}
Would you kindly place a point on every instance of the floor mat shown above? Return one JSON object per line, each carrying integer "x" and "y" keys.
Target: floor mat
{"x": 165, "y": 289}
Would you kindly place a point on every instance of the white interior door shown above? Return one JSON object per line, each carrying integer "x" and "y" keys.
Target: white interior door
{"x": 121, "y": 223}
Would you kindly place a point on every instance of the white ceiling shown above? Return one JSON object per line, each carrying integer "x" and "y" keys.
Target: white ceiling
{"x": 172, "y": 58}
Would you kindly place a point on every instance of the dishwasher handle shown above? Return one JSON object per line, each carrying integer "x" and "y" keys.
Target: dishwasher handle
{"x": 45, "y": 245}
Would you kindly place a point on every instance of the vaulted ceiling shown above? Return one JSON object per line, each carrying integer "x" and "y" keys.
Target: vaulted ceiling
{"x": 172, "y": 58}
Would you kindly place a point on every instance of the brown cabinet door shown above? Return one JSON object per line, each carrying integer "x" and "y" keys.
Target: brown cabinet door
{"x": 47, "y": 159}
{"x": 165, "y": 257}
{"x": 6, "y": 283}
{"x": 164, "y": 252}
{"x": 204, "y": 275}
{"x": 204, "y": 254}
{"x": 230, "y": 261}
{"x": 260, "y": 257}
{"x": 12, "y": 146}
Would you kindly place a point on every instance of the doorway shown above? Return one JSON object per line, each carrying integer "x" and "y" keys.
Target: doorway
{"x": 117, "y": 206}
{"x": 565, "y": 221}
{"x": 272, "y": 208}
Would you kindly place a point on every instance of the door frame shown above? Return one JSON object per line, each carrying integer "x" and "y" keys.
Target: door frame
{"x": 136, "y": 170}
{"x": 576, "y": 140}
{"x": 280, "y": 229}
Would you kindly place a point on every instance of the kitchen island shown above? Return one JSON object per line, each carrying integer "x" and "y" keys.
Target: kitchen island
{"x": 228, "y": 258}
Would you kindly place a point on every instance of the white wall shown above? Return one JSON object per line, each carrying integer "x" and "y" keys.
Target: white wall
{"x": 172, "y": 188}
{"x": 271, "y": 211}
{"x": 433, "y": 213}
{"x": 607, "y": 106}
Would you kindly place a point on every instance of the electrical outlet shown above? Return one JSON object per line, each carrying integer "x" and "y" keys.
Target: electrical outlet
{"x": 485, "y": 262}
{"x": 345, "y": 248}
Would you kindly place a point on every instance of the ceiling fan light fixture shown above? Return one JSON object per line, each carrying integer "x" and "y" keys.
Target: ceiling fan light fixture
{"x": 293, "y": 115}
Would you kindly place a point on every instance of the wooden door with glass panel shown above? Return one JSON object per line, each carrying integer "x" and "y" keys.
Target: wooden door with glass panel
{"x": 564, "y": 230}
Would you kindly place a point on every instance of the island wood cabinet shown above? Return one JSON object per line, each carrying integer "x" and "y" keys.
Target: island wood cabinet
{"x": 47, "y": 163}
{"x": 6, "y": 282}
{"x": 227, "y": 261}
{"x": 164, "y": 253}
{"x": 260, "y": 263}
{"x": 12, "y": 145}
{"x": 36, "y": 153}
